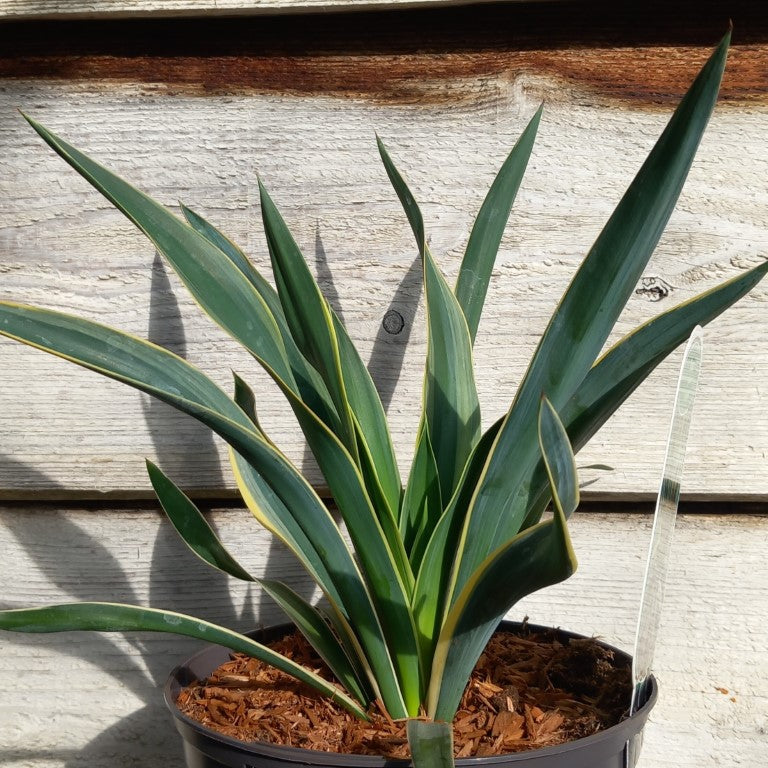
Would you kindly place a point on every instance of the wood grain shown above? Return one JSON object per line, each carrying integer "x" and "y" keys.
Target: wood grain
{"x": 642, "y": 55}
{"x": 692, "y": 10}
{"x": 63, "y": 246}
{"x": 196, "y": 115}
{"x": 93, "y": 699}
{"x": 68, "y": 9}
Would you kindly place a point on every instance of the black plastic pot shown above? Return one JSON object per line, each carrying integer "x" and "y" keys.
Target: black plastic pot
{"x": 615, "y": 747}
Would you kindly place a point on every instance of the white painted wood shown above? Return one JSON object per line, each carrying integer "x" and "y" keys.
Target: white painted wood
{"x": 65, "y": 9}
{"x": 65, "y": 431}
{"x": 80, "y": 699}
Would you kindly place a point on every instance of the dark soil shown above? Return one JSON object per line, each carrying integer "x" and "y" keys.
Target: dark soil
{"x": 528, "y": 690}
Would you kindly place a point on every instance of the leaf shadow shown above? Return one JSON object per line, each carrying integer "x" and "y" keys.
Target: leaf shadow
{"x": 143, "y": 735}
{"x": 388, "y": 353}
{"x": 40, "y": 533}
{"x": 166, "y": 328}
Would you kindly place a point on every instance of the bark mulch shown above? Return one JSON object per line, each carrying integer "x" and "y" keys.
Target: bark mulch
{"x": 528, "y": 690}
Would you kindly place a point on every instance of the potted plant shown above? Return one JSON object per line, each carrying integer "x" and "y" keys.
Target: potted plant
{"x": 434, "y": 563}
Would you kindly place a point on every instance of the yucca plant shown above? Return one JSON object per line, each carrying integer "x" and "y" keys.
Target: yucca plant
{"x": 435, "y": 563}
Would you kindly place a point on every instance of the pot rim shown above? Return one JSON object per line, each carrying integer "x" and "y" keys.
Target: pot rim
{"x": 321, "y": 758}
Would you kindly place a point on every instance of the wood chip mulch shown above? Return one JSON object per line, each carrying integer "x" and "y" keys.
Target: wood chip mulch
{"x": 528, "y": 690}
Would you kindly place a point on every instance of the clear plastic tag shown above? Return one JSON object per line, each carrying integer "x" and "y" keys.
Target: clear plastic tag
{"x": 663, "y": 531}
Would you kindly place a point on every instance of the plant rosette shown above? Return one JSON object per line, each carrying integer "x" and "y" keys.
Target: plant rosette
{"x": 418, "y": 573}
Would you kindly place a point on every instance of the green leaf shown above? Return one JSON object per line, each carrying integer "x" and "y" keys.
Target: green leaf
{"x": 119, "y": 356}
{"x": 451, "y": 408}
{"x": 583, "y": 320}
{"x": 377, "y": 455}
{"x": 437, "y": 565}
{"x": 376, "y": 537}
{"x": 422, "y": 503}
{"x": 173, "y": 380}
{"x": 536, "y": 558}
{"x": 407, "y": 200}
{"x": 380, "y": 614}
{"x": 617, "y": 374}
{"x": 307, "y": 312}
{"x": 322, "y": 338}
{"x": 324, "y": 341}
{"x": 377, "y": 502}
{"x": 319, "y": 635}
{"x": 431, "y": 744}
{"x": 629, "y": 362}
{"x": 484, "y": 240}
{"x": 559, "y": 461}
{"x": 245, "y": 398}
{"x": 235, "y": 255}
{"x": 192, "y": 526}
{"x": 115, "y": 617}
{"x": 201, "y": 539}
{"x": 220, "y": 288}
{"x": 311, "y": 387}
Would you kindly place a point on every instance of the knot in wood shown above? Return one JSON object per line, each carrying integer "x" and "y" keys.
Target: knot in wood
{"x": 653, "y": 288}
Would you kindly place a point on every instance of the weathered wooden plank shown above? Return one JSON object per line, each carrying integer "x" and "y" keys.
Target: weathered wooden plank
{"x": 625, "y": 52}
{"x": 158, "y": 120}
{"x": 15, "y": 10}
{"x": 75, "y": 9}
{"x": 93, "y": 700}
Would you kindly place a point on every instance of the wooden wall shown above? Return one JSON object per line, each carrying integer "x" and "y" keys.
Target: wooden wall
{"x": 193, "y": 109}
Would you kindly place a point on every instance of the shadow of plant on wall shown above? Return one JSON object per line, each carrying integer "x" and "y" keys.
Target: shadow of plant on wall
{"x": 146, "y": 730}
{"x": 434, "y": 564}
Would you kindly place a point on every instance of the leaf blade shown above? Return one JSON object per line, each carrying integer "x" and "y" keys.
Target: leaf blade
{"x": 431, "y": 744}
{"x": 451, "y": 406}
{"x": 197, "y": 534}
{"x": 537, "y": 557}
{"x": 193, "y": 528}
{"x": 161, "y": 373}
{"x": 117, "y": 617}
{"x": 323, "y": 340}
{"x": 627, "y": 363}
{"x": 371, "y": 424}
{"x": 488, "y": 229}
{"x": 422, "y": 502}
{"x": 581, "y": 324}
{"x": 380, "y": 619}
{"x": 623, "y": 367}
{"x": 312, "y": 625}
{"x": 220, "y": 288}
{"x": 431, "y": 590}
{"x": 558, "y": 459}
{"x": 310, "y": 386}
